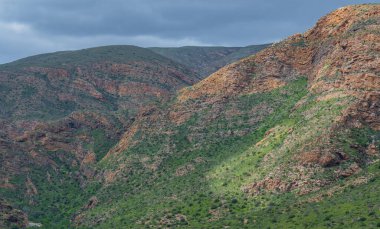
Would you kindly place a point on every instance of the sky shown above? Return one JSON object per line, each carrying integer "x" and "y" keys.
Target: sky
{"x": 29, "y": 27}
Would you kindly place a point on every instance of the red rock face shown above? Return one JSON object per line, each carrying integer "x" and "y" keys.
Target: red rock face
{"x": 148, "y": 75}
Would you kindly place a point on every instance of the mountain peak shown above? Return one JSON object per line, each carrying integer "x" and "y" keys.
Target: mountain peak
{"x": 344, "y": 20}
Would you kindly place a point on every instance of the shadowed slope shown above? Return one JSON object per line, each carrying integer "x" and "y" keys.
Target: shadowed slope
{"x": 207, "y": 60}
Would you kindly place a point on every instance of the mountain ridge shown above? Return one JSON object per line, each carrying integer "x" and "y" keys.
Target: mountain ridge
{"x": 206, "y": 60}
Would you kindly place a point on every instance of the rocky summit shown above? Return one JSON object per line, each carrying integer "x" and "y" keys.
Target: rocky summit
{"x": 127, "y": 137}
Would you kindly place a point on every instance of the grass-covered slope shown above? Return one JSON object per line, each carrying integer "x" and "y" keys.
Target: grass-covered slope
{"x": 207, "y": 60}
{"x": 288, "y": 138}
{"x": 167, "y": 175}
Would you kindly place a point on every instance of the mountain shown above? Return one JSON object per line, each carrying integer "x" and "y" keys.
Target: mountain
{"x": 61, "y": 112}
{"x": 287, "y": 138}
{"x": 207, "y": 60}
{"x": 88, "y": 79}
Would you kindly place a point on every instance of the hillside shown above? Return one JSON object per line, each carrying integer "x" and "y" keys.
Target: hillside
{"x": 88, "y": 78}
{"x": 61, "y": 112}
{"x": 287, "y": 138}
{"x": 207, "y": 60}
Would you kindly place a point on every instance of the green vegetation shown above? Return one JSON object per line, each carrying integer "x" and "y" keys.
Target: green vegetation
{"x": 59, "y": 194}
{"x": 300, "y": 43}
{"x": 28, "y": 91}
{"x": 102, "y": 143}
{"x": 353, "y": 206}
{"x": 362, "y": 24}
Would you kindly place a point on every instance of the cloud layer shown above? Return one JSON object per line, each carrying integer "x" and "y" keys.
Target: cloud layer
{"x": 31, "y": 27}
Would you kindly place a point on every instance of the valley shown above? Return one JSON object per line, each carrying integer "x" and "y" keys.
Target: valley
{"x": 284, "y": 135}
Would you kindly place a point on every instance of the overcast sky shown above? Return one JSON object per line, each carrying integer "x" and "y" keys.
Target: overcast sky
{"x": 31, "y": 27}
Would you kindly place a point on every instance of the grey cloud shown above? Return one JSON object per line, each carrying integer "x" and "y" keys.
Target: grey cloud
{"x": 51, "y": 25}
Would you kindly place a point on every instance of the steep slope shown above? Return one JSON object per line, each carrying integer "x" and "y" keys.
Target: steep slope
{"x": 207, "y": 60}
{"x": 61, "y": 112}
{"x": 288, "y": 138}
